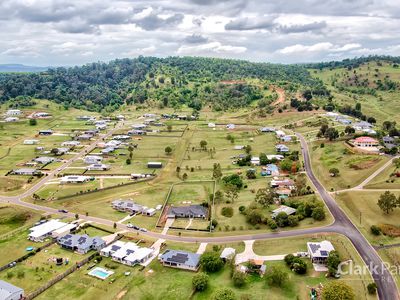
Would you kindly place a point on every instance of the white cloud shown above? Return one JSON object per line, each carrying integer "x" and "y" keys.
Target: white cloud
{"x": 215, "y": 47}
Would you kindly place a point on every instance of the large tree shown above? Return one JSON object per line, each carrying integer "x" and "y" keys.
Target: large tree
{"x": 276, "y": 276}
{"x": 265, "y": 197}
{"x": 387, "y": 202}
{"x": 337, "y": 290}
{"x": 211, "y": 262}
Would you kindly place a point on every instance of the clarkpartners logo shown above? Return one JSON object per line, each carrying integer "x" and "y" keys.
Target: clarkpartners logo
{"x": 351, "y": 268}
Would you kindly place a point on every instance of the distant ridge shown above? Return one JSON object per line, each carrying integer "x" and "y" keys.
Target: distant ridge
{"x": 21, "y": 68}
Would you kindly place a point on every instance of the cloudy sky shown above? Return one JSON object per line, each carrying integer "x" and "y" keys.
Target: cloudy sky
{"x": 70, "y": 32}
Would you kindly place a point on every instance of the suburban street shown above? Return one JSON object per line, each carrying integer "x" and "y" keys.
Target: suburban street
{"x": 387, "y": 288}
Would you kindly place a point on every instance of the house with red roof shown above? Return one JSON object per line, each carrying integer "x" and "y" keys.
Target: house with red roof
{"x": 366, "y": 141}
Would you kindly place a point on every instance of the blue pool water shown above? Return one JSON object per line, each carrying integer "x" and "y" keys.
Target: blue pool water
{"x": 100, "y": 273}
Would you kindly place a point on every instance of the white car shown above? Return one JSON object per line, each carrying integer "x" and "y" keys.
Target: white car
{"x": 129, "y": 225}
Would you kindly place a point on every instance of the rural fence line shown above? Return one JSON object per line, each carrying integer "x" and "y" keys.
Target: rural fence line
{"x": 59, "y": 277}
{"x": 26, "y": 256}
{"x": 104, "y": 189}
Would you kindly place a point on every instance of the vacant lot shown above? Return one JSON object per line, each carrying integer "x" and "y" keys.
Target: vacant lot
{"x": 362, "y": 206}
{"x": 354, "y": 168}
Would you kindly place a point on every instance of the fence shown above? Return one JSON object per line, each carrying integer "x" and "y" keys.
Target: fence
{"x": 104, "y": 189}
{"x": 26, "y": 256}
{"x": 59, "y": 277}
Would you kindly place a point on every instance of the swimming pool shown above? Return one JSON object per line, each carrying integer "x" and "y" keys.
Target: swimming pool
{"x": 100, "y": 273}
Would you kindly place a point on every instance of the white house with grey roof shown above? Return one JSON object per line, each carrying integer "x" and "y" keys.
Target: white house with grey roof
{"x": 10, "y": 292}
{"x": 81, "y": 243}
{"x": 180, "y": 259}
{"x": 191, "y": 211}
{"x": 319, "y": 251}
{"x": 26, "y": 171}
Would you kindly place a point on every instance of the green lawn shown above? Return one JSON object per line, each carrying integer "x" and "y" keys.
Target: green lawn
{"x": 385, "y": 180}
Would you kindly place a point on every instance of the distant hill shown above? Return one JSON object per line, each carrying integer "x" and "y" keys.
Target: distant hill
{"x": 172, "y": 81}
{"x": 21, "y": 68}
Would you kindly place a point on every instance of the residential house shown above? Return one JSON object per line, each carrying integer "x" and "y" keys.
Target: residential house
{"x": 81, "y": 243}
{"x": 366, "y": 141}
{"x": 70, "y": 143}
{"x": 286, "y": 138}
{"x": 331, "y": 114}
{"x": 230, "y": 126}
{"x": 282, "y": 148}
{"x": 149, "y": 212}
{"x": 40, "y": 232}
{"x": 211, "y": 125}
{"x": 255, "y": 160}
{"x": 92, "y": 159}
{"x": 111, "y": 249}
{"x": 343, "y": 120}
{"x": 360, "y": 126}
{"x": 227, "y": 254}
{"x": 280, "y": 133}
{"x": 238, "y": 147}
{"x": 283, "y": 208}
{"x": 98, "y": 167}
{"x": 10, "y": 292}
{"x": 14, "y": 112}
{"x": 275, "y": 157}
{"x": 107, "y": 150}
{"x": 84, "y": 118}
{"x": 41, "y": 115}
{"x": 74, "y": 179}
{"x": 271, "y": 170}
{"x": 84, "y": 137}
{"x": 46, "y": 132}
{"x": 267, "y": 129}
{"x": 64, "y": 230}
{"x": 26, "y": 171}
{"x": 137, "y": 132}
{"x": 11, "y": 119}
{"x": 127, "y": 206}
{"x": 154, "y": 165}
{"x": 138, "y": 257}
{"x": 139, "y": 126}
{"x": 180, "y": 259}
{"x": 101, "y": 126}
{"x": 121, "y": 137}
{"x": 150, "y": 115}
{"x": 283, "y": 183}
{"x": 191, "y": 211}
{"x": 31, "y": 142}
{"x": 44, "y": 160}
{"x": 319, "y": 251}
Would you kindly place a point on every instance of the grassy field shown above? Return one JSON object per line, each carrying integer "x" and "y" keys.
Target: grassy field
{"x": 364, "y": 204}
{"x": 354, "y": 168}
{"x": 385, "y": 180}
{"x": 14, "y": 217}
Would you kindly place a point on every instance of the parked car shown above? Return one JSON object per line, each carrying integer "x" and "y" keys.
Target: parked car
{"x": 143, "y": 229}
{"x": 63, "y": 211}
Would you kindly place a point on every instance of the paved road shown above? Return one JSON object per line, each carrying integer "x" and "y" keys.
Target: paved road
{"x": 387, "y": 288}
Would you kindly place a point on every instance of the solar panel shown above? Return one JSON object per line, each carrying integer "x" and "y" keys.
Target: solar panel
{"x": 324, "y": 253}
{"x": 315, "y": 247}
{"x": 115, "y": 247}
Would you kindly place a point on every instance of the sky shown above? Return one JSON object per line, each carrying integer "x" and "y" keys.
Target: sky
{"x": 74, "y": 32}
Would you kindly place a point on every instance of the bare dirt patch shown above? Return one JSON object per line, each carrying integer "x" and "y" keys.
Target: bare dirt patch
{"x": 390, "y": 230}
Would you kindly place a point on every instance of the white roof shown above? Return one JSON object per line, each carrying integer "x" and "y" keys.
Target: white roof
{"x": 228, "y": 253}
{"x": 275, "y": 156}
{"x": 73, "y": 178}
{"x": 110, "y": 247}
{"x": 46, "y": 228}
{"x": 121, "y": 253}
{"x": 320, "y": 249}
{"x": 139, "y": 254}
{"x": 64, "y": 229}
{"x": 280, "y": 132}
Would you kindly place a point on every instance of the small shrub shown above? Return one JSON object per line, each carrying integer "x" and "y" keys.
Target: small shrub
{"x": 371, "y": 288}
{"x": 227, "y": 211}
{"x": 375, "y": 230}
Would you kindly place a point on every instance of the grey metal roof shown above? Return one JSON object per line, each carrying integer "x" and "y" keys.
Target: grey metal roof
{"x": 7, "y": 289}
{"x": 188, "y": 210}
{"x": 181, "y": 257}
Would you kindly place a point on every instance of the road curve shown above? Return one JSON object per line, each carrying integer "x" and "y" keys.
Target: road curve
{"x": 387, "y": 288}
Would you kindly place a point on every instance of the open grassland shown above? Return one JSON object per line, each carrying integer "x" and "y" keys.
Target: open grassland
{"x": 385, "y": 180}
{"x": 13, "y": 217}
{"x": 382, "y": 106}
{"x": 354, "y": 168}
{"x": 362, "y": 208}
